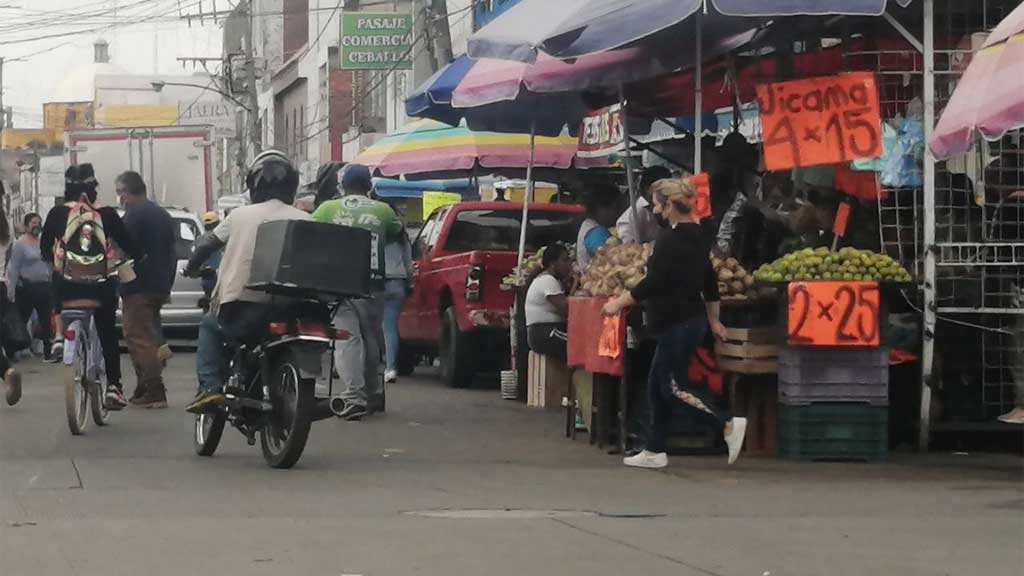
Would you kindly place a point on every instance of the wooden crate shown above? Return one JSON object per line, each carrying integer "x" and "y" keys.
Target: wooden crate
{"x": 749, "y": 351}
{"x": 756, "y": 398}
{"x": 548, "y": 382}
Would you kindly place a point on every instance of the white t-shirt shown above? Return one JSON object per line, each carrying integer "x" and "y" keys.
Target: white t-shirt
{"x": 539, "y": 309}
{"x": 238, "y": 232}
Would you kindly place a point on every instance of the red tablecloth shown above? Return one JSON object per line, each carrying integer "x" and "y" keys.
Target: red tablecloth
{"x": 585, "y": 324}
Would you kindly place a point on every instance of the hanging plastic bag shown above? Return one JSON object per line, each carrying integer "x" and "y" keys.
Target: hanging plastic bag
{"x": 610, "y": 343}
{"x": 901, "y": 166}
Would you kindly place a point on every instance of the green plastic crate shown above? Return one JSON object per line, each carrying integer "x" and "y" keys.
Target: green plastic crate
{"x": 834, "y": 431}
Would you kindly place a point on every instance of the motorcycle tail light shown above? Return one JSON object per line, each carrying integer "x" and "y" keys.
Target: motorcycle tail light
{"x": 69, "y": 334}
{"x": 340, "y": 334}
{"x": 313, "y": 329}
{"x": 278, "y": 328}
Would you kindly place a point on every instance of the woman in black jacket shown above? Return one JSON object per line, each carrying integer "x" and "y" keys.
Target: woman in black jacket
{"x": 681, "y": 293}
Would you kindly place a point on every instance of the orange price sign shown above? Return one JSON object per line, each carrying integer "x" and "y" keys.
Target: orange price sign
{"x": 824, "y": 120}
{"x": 702, "y": 200}
{"x": 834, "y": 314}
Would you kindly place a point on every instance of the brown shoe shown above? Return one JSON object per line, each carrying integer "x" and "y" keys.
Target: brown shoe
{"x": 12, "y": 382}
{"x": 153, "y": 401}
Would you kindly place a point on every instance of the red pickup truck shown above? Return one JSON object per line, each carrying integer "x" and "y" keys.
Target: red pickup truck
{"x": 457, "y": 310}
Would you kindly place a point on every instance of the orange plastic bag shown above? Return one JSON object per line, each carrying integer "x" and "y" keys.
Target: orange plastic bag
{"x": 610, "y": 343}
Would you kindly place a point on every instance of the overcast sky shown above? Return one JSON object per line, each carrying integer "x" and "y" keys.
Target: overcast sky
{"x": 151, "y": 45}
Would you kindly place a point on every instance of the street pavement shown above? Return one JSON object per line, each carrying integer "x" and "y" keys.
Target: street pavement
{"x": 461, "y": 482}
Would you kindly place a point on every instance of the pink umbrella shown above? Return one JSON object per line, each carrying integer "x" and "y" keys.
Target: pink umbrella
{"x": 990, "y": 96}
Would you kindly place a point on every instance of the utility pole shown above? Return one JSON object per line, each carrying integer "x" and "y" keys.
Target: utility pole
{"x": 244, "y": 9}
{"x": 250, "y": 83}
{"x": 3, "y": 111}
{"x": 441, "y": 34}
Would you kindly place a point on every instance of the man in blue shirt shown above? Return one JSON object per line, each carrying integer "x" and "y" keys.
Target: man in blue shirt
{"x": 153, "y": 230}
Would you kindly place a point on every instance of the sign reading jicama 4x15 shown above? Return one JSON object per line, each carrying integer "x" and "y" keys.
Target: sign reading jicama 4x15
{"x": 376, "y": 41}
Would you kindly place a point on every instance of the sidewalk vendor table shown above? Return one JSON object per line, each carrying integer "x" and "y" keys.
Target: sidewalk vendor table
{"x": 586, "y": 323}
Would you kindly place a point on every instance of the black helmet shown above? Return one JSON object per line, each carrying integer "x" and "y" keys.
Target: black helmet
{"x": 271, "y": 175}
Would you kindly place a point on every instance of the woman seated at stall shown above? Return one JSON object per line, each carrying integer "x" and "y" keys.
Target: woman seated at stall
{"x": 681, "y": 292}
{"x": 547, "y": 307}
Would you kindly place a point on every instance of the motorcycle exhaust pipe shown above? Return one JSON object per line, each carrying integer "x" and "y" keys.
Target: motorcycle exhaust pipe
{"x": 328, "y": 408}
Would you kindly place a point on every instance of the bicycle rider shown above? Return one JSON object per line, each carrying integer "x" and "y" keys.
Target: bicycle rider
{"x": 236, "y": 313}
{"x": 78, "y": 180}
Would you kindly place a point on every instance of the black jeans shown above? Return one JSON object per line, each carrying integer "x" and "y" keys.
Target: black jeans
{"x": 36, "y": 296}
{"x": 5, "y": 364}
{"x": 669, "y": 381}
{"x": 106, "y": 327}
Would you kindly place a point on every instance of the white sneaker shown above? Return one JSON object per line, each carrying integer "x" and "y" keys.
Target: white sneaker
{"x": 735, "y": 440}
{"x": 647, "y": 459}
{"x": 390, "y": 376}
{"x": 1015, "y": 416}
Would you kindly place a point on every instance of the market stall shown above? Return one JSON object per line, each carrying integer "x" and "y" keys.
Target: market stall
{"x": 829, "y": 122}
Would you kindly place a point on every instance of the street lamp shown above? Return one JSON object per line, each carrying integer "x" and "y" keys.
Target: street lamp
{"x": 158, "y": 86}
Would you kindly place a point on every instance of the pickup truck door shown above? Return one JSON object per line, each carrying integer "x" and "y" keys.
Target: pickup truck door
{"x": 411, "y": 324}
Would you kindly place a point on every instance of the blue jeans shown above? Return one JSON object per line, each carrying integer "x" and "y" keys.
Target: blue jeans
{"x": 236, "y": 322}
{"x": 394, "y": 298}
{"x": 669, "y": 381}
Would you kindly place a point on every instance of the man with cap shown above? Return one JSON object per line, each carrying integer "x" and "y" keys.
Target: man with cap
{"x": 359, "y": 358}
{"x": 209, "y": 274}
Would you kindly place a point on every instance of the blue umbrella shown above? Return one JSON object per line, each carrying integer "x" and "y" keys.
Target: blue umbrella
{"x": 391, "y": 188}
{"x": 803, "y": 7}
{"x": 573, "y": 28}
{"x": 549, "y": 113}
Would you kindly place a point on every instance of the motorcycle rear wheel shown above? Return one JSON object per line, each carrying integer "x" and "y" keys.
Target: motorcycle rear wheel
{"x": 284, "y": 437}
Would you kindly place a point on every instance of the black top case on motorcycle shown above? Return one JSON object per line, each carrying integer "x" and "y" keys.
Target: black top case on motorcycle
{"x": 307, "y": 259}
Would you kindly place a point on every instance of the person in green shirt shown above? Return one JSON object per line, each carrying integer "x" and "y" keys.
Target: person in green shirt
{"x": 358, "y": 359}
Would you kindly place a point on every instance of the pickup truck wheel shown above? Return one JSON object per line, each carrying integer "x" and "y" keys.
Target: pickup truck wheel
{"x": 407, "y": 361}
{"x": 453, "y": 349}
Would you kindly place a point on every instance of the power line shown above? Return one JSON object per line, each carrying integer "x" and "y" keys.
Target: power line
{"x": 142, "y": 20}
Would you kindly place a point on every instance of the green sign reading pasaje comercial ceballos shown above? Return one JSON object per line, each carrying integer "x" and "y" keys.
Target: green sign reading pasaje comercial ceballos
{"x": 376, "y": 41}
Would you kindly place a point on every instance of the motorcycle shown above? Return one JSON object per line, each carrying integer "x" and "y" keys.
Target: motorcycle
{"x": 271, "y": 387}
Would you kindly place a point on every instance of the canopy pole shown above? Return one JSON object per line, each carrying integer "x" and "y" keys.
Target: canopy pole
{"x": 698, "y": 99}
{"x": 528, "y": 194}
{"x": 627, "y": 162}
{"x": 928, "y": 345}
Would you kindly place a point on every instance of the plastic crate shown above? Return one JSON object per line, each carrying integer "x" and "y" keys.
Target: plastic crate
{"x": 804, "y": 393}
{"x": 834, "y": 431}
{"x": 833, "y": 366}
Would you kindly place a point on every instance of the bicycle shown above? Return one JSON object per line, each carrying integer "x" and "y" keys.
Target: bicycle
{"x": 84, "y": 370}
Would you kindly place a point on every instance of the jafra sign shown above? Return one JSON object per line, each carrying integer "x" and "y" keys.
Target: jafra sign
{"x": 376, "y": 41}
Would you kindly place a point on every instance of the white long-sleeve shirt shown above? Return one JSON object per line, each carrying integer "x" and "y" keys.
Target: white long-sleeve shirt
{"x": 646, "y": 224}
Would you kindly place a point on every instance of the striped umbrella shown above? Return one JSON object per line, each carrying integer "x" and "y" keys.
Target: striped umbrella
{"x": 429, "y": 148}
{"x": 990, "y": 96}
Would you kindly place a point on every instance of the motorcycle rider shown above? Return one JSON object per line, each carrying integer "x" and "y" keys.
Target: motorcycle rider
{"x": 359, "y": 357}
{"x": 236, "y": 313}
{"x": 209, "y": 272}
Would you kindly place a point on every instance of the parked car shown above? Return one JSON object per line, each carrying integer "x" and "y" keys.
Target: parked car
{"x": 458, "y": 310}
{"x": 182, "y": 312}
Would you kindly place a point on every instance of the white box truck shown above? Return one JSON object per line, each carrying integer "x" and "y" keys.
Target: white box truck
{"x": 175, "y": 161}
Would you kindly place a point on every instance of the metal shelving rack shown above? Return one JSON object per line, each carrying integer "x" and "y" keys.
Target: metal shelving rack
{"x": 977, "y": 239}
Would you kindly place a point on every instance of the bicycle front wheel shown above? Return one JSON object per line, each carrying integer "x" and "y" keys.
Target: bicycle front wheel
{"x": 76, "y": 391}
